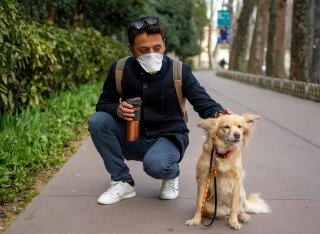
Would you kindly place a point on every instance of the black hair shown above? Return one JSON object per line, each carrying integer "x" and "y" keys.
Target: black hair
{"x": 133, "y": 32}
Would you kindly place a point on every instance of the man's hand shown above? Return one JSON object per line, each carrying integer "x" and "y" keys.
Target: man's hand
{"x": 125, "y": 111}
{"x": 226, "y": 111}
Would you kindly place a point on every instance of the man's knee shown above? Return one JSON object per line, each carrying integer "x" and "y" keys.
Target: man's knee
{"x": 98, "y": 121}
{"x": 154, "y": 168}
{"x": 159, "y": 169}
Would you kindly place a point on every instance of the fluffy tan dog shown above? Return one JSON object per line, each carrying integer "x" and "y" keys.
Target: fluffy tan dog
{"x": 228, "y": 134}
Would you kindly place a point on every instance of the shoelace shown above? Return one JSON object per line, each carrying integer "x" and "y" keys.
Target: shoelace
{"x": 168, "y": 184}
{"x": 114, "y": 189}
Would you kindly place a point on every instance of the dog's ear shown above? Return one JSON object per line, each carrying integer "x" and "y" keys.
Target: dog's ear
{"x": 251, "y": 119}
{"x": 207, "y": 124}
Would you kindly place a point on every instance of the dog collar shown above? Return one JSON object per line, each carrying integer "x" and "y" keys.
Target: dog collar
{"x": 225, "y": 155}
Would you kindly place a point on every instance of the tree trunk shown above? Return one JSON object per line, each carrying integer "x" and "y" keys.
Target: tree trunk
{"x": 257, "y": 54}
{"x": 78, "y": 17}
{"x": 52, "y": 17}
{"x": 230, "y": 9}
{"x": 315, "y": 65}
{"x": 241, "y": 41}
{"x": 233, "y": 33}
{"x": 276, "y": 39}
{"x": 210, "y": 35}
{"x": 301, "y": 37}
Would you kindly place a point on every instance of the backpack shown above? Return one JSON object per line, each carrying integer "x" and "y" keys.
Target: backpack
{"x": 177, "y": 78}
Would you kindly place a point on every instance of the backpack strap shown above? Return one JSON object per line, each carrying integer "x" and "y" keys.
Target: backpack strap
{"x": 119, "y": 74}
{"x": 177, "y": 78}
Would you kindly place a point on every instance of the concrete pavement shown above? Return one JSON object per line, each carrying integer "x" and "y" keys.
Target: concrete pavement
{"x": 282, "y": 163}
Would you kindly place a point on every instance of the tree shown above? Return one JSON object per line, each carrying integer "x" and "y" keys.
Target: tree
{"x": 240, "y": 45}
{"x": 257, "y": 54}
{"x": 10, "y": 29}
{"x": 315, "y": 67}
{"x": 189, "y": 35}
{"x": 231, "y": 15}
{"x": 200, "y": 20}
{"x": 229, "y": 7}
{"x": 199, "y": 17}
{"x": 210, "y": 34}
{"x": 276, "y": 39}
{"x": 110, "y": 17}
{"x": 179, "y": 23}
{"x": 183, "y": 20}
{"x": 301, "y": 37}
{"x": 58, "y": 12}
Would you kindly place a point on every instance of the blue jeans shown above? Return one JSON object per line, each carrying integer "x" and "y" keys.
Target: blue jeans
{"x": 159, "y": 155}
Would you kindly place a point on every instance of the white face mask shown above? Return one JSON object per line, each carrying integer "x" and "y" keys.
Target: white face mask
{"x": 151, "y": 63}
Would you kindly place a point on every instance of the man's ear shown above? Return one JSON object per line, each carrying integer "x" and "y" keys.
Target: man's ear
{"x": 130, "y": 49}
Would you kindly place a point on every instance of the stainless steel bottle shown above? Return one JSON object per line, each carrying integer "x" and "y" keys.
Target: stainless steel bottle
{"x": 133, "y": 127}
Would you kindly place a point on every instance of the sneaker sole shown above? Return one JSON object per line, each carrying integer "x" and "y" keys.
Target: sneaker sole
{"x": 130, "y": 195}
{"x": 168, "y": 198}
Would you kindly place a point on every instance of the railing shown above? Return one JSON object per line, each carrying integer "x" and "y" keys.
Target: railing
{"x": 297, "y": 88}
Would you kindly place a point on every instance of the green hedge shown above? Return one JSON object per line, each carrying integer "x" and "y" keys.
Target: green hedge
{"x": 38, "y": 59}
{"x": 39, "y": 138}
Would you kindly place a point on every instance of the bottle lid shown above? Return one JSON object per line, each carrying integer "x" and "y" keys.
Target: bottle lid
{"x": 135, "y": 102}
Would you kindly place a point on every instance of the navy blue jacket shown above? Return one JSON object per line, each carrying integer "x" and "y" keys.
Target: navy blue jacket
{"x": 160, "y": 111}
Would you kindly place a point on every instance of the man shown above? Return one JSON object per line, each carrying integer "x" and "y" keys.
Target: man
{"x": 163, "y": 132}
{"x": 222, "y": 63}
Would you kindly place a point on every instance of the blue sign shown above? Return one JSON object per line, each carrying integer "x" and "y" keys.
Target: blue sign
{"x": 223, "y": 27}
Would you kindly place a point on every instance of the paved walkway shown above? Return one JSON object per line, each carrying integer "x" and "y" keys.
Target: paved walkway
{"x": 282, "y": 163}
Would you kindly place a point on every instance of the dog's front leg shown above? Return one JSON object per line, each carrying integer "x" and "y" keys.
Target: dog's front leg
{"x": 243, "y": 216}
{"x": 233, "y": 220}
{"x": 197, "y": 216}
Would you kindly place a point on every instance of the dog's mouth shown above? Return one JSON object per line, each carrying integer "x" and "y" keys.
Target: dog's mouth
{"x": 233, "y": 140}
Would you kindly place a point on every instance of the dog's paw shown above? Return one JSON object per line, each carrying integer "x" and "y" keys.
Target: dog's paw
{"x": 235, "y": 225}
{"x": 193, "y": 222}
{"x": 244, "y": 218}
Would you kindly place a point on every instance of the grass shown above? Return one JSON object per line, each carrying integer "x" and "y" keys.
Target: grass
{"x": 39, "y": 140}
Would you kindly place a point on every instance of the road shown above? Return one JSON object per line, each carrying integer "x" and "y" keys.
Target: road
{"x": 282, "y": 163}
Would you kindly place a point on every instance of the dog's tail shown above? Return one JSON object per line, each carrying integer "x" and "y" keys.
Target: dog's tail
{"x": 254, "y": 204}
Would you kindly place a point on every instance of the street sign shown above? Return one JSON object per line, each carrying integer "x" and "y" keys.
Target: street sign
{"x": 223, "y": 28}
{"x": 223, "y": 18}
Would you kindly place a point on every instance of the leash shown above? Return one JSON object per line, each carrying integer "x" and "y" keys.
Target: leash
{"x": 207, "y": 189}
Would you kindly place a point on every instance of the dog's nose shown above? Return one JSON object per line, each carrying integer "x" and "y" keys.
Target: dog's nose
{"x": 236, "y": 135}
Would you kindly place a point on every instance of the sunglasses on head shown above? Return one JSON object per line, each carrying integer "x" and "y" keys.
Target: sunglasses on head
{"x": 139, "y": 24}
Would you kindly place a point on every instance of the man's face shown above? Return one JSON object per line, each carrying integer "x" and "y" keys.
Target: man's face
{"x": 147, "y": 43}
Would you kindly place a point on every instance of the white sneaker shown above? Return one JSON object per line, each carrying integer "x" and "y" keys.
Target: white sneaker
{"x": 170, "y": 189}
{"x": 118, "y": 190}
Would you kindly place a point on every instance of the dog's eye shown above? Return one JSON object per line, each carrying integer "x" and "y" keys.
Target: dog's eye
{"x": 239, "y": 126}
{"x": 226, "y": 126}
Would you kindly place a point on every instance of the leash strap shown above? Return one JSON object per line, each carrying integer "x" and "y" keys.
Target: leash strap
{"x": 206, "y": 192}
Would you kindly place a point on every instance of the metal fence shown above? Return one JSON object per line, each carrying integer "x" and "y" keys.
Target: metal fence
{"x": 297, "y": 88}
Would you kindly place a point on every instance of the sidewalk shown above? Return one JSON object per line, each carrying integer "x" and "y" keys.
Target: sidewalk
{"x": 282, "y": 163}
